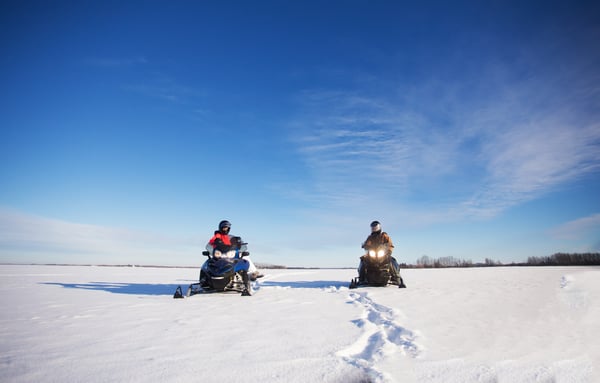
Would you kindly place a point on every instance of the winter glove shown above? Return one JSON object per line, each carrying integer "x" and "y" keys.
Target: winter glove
{"x": 219, "y": 245}
{"x": 223, "y": 248}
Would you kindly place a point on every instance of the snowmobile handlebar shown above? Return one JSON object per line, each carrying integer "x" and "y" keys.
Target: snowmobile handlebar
{"x": 375, "y": 247}
{"x": 207, "y": 253}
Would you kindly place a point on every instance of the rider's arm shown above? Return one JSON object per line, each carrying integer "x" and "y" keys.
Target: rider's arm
{"x": 388, "y": 241}
{"x": 213, "y": 239}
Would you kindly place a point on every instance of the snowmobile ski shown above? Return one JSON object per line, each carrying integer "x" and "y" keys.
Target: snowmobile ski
{"x": 178, "y": 294}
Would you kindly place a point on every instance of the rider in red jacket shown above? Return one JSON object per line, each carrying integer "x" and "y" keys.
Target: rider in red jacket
{"x": 221, "y": 240}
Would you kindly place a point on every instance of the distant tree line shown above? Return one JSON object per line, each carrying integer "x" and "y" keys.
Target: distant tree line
{"x": 566, "y": 259}
{"x": 426, "y": 262}
{"x": 558, "y": 259}
{"x": 269, "y": 266}
{"x": 443, "y": 262}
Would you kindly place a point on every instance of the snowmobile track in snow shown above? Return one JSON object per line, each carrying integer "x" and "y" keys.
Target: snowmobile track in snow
{"x": 382, "y": 336}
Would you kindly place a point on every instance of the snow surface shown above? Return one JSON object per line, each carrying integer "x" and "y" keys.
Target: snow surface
{"x": 121, "y": 324}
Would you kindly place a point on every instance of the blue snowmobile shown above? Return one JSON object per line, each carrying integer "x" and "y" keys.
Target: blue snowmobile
{"x": 223, "y": 271}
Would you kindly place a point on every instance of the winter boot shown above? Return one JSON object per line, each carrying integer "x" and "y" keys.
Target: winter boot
{"x": 401, "y": 284}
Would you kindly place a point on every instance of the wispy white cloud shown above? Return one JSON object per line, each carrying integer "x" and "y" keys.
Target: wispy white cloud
{"x": 464, "y": 139}
{"x": 526, "y": 162}
{"x": 578, "y": 228}
{"x": 352, "y": 143}
{"x": 25, "y": 238}
{"x": 474, "y": 159}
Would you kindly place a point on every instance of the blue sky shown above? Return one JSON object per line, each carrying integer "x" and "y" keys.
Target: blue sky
{"x": 130, "y": 129}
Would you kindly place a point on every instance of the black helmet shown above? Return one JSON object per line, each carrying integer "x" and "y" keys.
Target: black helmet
{"x": 224, "y": 224}
{"x": 375, "y": 226}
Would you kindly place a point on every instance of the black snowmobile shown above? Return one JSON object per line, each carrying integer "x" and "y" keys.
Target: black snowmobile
{"x": 223, "y": 271}
{"x": 376, "y": 269}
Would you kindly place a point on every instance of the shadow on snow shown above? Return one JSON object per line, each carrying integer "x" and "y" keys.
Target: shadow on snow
{"x": 304, "y": 284}
{"x": 169, "y": 289}
{"x": 121, "y": 288}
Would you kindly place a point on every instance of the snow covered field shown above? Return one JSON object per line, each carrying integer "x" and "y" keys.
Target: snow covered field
{"x": 121, "y": 324}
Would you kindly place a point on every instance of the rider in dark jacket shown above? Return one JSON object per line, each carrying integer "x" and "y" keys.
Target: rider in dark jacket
{"x": 378, "y": 238}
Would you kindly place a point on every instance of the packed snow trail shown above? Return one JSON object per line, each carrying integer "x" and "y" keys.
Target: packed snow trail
{"x": 382, "y": 337}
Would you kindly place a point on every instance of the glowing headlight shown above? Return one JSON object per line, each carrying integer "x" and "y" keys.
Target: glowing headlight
{"x": 378, "y": 253}
{"x": 230, "y": 254}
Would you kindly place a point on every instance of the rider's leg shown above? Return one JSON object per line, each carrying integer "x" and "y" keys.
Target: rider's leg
{"x": 362, "y": 273}
{"x": 394, "y": 269}
{"x": 396, "y": 272}
{"x": 252, "y": 270}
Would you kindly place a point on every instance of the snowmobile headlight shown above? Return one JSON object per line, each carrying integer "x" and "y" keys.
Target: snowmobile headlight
{"x": 372, "y": 253}
{"x": 230, "y": 254}
{"x": 380, "y": 253}
{"x": 217, "y": 254}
